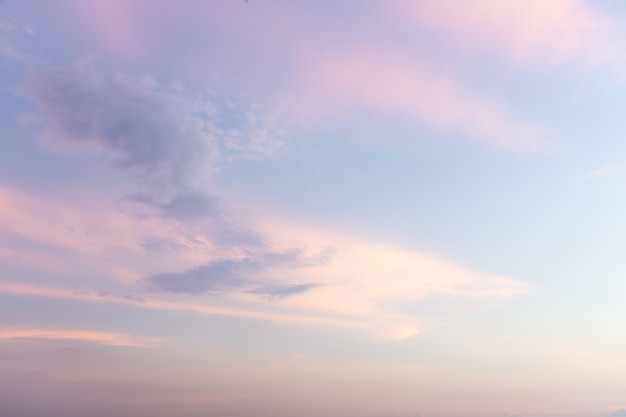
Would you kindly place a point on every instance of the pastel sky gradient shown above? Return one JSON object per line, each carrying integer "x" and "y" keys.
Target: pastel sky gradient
{"x": 291, "y": 209}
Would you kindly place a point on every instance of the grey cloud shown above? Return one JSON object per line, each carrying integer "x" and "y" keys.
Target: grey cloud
{"x": 238, "y": 274}
{"x": 187, "y": 207}
{"x": 254, "y": 143}
{"x": 179, "y": 205}
{"x": 167, "y": 136}
{"x": 216, "y": 277}
{"x": 170, "y": 139}
{"x": 230, "y": 234}
{"x": 322, "y": 258}
{"x": 197, "y": 214}
{"x": 285, "y": 291}
{"x": 13, "y": 35}
{"x": 164, "y": 138}
{"x": 157, "y": 134}
{"x": 190, "y": 206}
{"x": 167, "y": 139}
{"x": 159, "y": 245}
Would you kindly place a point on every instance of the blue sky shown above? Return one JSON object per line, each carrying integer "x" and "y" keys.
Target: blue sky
{"x": 300, "y": 208}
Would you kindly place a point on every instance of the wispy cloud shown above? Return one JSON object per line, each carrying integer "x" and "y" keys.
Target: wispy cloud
{"x": 239, "y": 274}
{"x": 171, "y": 143}
{"x": 372, "y": 288}
{"x": 340, "y": 77}
{"x": 115, "y": 24}
{"x": 102, "y": 338}
{"x": 384, "y": 285}
{"x": 12, "y": 35}
{"x": 604, "y": 171}
{"x": 40, "y": 235}
{"x": 212, "y": 308}
{"x": 529, "y": 33}
{"x": 388, "y": 85}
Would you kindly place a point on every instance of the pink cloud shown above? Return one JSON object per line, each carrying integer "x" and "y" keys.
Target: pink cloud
{"x": 326, "y": 85}
{"x": 59, "y": 224}
{"x": 180, "y": 303}
{"x": 368, "y": 281}
{"x": 526, "y": 32}
{"x": 93, "y": 236}
{"x": 111, "y": 339}
{"x": 114, "y": 22}
{"x": 391, "y": 86}
{"x": 360, "y": 287}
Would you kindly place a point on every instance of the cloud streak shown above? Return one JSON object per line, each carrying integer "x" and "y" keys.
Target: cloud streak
{"x": 528, "y": 33}
{"x": 386, "y": 85}
{"x": 294, "y": 277}
{"x": 183, "y": 305}
{"x": 109, "y": 339}
{"x": 224, "y": 275}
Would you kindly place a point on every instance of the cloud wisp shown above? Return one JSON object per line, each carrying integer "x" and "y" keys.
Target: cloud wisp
{"x": 533, "y": 34}
{"x": 224, "y": 275}
{"x": 386, "y": 85}
{"x": 357, "y": 284}
{"x": 12, "y": 34}
{"x": 101, "y": 338}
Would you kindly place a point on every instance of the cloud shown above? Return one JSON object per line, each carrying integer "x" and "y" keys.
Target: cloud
{"x": 60, "y": 225}
{"x": 171, "y": 140}
{"x": 604, "y": 171}
{"x": 115, "y": 23}
{"x": 215, "y": 277}
{"x": 255, "y": 142}
{"x": 337, "y": 79}
{"x": 13, "y": 36}
{"x": 104, "y": 243}
{"x": 158, "y": 135}
{"x": 383, "y": 286}
{"x": 46, "y": 236}
{"x": 184, "y": 205}
{"x": 213, "y": 308}
{"x": 111, "y": 339}
{"x": 375, "y": 289}
{"x": 286, "y": 291}
{"x": 190, "y": 206}
{"x": 239, "y": 274}
{"x": 326, "y": 75}
{"x": 534, "y": 33}
{"x": 383, "y": 84}
{"x": 294, "y": 277}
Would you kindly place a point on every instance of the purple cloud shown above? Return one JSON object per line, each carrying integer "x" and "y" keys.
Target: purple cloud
{"x": 225, "y": 275}
{"x": 160, "y": 136}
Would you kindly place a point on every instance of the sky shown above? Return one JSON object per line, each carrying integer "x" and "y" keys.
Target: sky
{"x": 312, "y": 208}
